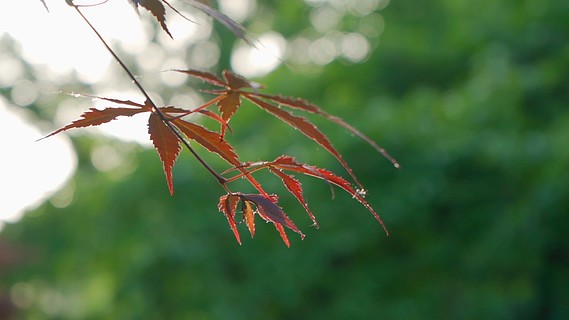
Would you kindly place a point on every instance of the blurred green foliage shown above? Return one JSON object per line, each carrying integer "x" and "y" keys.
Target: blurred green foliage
{"x": 471, "y": 97}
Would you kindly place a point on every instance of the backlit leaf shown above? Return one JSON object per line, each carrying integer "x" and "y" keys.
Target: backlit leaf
{"x": 204, "y": 76}
{"x": 236, "y": 82}
{"x": 304, "y": 105}
{"x": 157, "y": 9}
{"x": 227, "y": 205}
{"x": 288, "y": 163}
{"x": 212, "y": 141}
{"x": 229, "y": 104}
{"x": 95, "y": 117}
{"x": 249, "y": 216}
{"x": 146, "y": 106}
{"x": 166, "y": 144}
{"x": 306, "y": 127}
{"x": 237, "y": 29}
{"x": 294, "y": 187}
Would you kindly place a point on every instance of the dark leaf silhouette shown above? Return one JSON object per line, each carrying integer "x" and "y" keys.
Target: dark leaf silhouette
{"x": 156, "y": 8}
{"x": 95, "y": 117}
{"x": 44, "y": 5}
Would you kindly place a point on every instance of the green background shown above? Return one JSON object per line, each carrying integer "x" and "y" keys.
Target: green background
{"x": 470, "y": 97}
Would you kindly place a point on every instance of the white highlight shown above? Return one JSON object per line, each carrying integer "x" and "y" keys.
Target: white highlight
{"x": 30, "y": 171}
{"x": 255, "y": 62}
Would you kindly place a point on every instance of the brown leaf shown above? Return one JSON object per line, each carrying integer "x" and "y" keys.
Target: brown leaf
{"x": 166, "y": 144}
{"x": 212, "y": 141}
{"x": 270, "y": 211}
{"x": 204, "y": 76}
{"x": 307, "y": 128}
{"x": 288, "y": 163}
{"x": 157, "y": 9}
{"x": 236, "y": 82}
{"x": 304, "y": 105}
{"x": 249, "y": 216}
{"x": 227, "y": 205}
{"x": 295, "y": 188}
{"x": 229, "y": 104}
{"x": 146, "y": 106}
{"x": 95, "y": 117}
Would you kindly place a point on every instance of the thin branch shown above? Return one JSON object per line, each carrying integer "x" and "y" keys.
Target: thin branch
{"x": 162, "y": 116}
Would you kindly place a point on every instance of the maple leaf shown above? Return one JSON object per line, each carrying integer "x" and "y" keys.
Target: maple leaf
{"x": 95, "y": 117}
{"x": 237, "y": 29}
{"x": 290, "y": 164}
{"x": 266, "y": 208}
{"x": 166, "y": 144}
{"x": 168, "y": 132}
{"x": 229, "y": 104}
{"x": 307, "y": 128}
{"x": 156, "y": 8}
{"x": 304, "y": 105}
{"x": 228, "y": 204}
{"x": 295, "y": 188}
{"x": 287, "y": 163}
{"x": 212, "y": 141}
{"x": 233, "y": 84}
{"x": 44, "y": 5}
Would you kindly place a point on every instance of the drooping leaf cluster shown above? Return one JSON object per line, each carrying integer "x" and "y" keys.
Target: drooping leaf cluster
{"x": 170, "y": 131}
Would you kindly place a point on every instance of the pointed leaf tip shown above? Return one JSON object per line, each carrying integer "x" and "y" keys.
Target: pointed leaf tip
{"x": 228, "y": 205}
{"x": 166, "y": 144}
{"x": 95, "y": 117}
{"x": 45, "y": 5}
{"x": 157, "y": 9}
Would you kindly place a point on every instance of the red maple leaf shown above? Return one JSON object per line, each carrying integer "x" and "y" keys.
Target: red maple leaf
{"x": 169, "y": 131}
